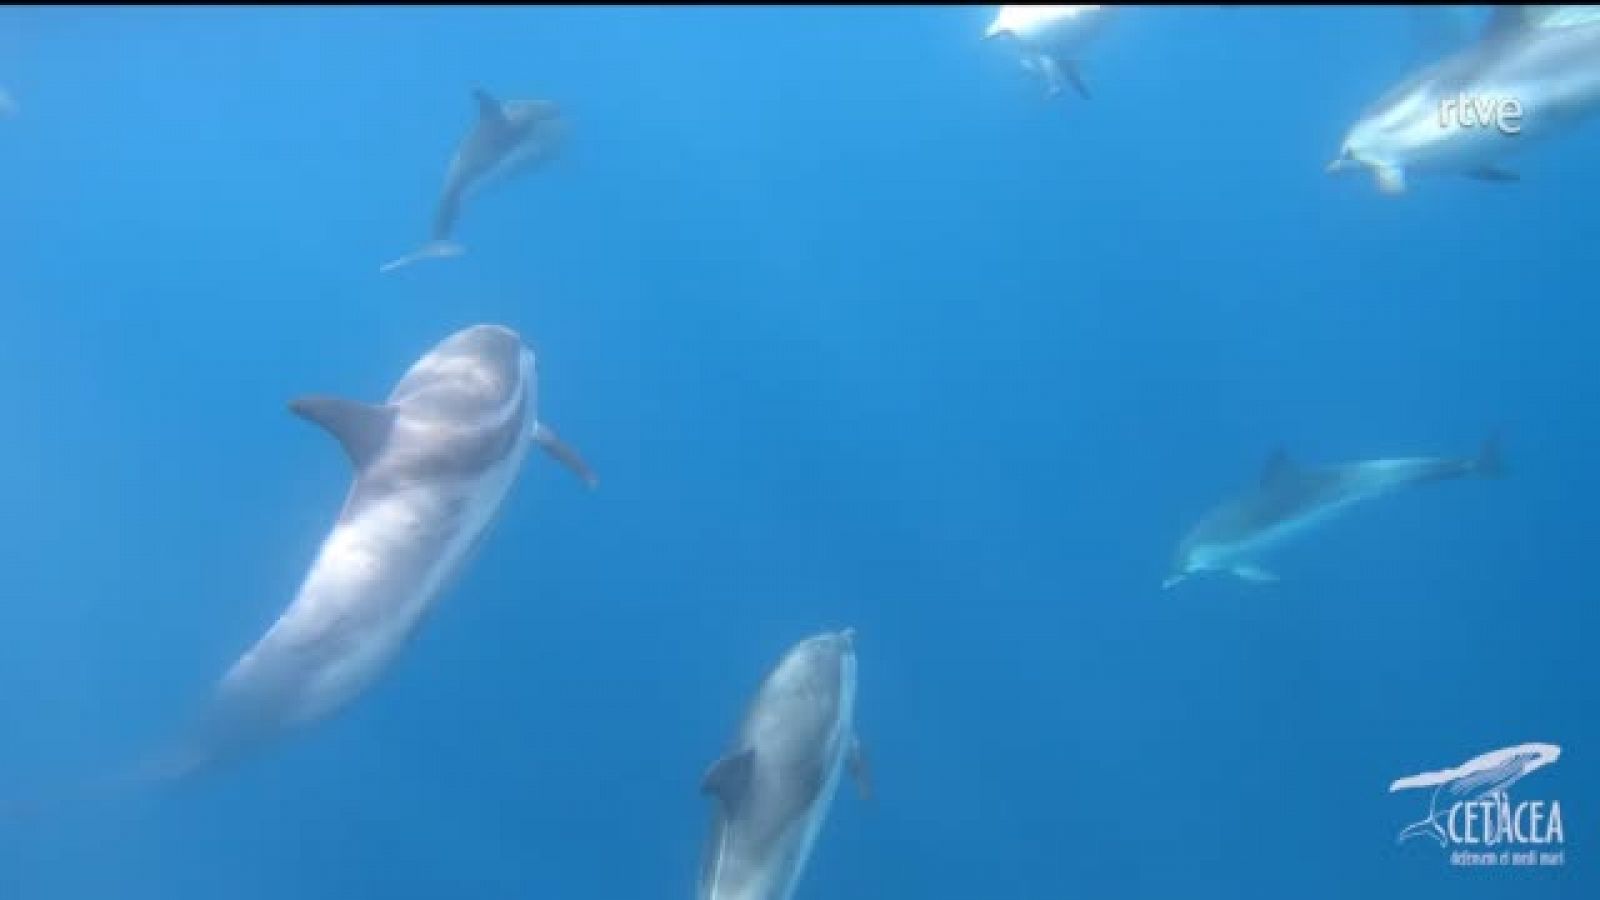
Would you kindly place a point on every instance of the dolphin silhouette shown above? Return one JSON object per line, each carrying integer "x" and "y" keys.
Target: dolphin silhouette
{"x": 1289, "y": 500}
{"x": 507, "y": 139}
{"x": 774, "y": 788}
{"x": 1533, "y": 74}
{"x": 1052, "y": 40}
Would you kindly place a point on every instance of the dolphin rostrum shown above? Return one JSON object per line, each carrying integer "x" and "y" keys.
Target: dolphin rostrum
{"x": 507, "y": 139}
{"x": 1052, "y": 40}
{"x": 433, "y": 466}
{"x": 1534, "y": 73}
{"x": 1289, "y": 499}
{"x": 775, "y": 785}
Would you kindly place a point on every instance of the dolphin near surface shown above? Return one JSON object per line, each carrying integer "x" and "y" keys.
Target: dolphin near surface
{"x": 774, "y": 787}
{"x": 1052, "y": 40}
{"x": 1290, "y": 499}
{"x": 1534, "y": 73}
{"x": 505, "y": 140}
{"x": 433, "y": 466}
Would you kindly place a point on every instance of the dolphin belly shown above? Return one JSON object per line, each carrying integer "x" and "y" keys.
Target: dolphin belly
{"x": 377, "y": 575}
{"x": 812, "y": 826}
{"x": 1262, "y": 541}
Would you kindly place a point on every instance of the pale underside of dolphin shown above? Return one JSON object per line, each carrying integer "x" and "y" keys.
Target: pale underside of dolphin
{"x": 1290, "y": 500}
{"x": 1051, "y": 40}
{"x": 1533, "y": 74}
{"x": 773, "y": 790}
{"x": 433, "y": 466}
{"x": 506, "y": 140}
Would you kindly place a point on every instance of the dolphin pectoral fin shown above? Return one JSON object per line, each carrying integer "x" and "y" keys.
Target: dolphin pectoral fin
{"x": 1070, "y": 70}
{"x": 548, "y": 441}
{"x": 1391, "y": 179}
{"x": 1495, "y": 174}
{"x": 1254, "y": 574}
{"x": 729, "y": 777}
{"x": 360, "y": 428}
{"x": 430, "y": 250}
{"x": 856, "y": 761}
{"x": 1173, "y": 581}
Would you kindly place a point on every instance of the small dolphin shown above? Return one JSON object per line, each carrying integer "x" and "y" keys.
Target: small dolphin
{"x": 1289, "y": 500}
{"x": 1531, "y": 75}
{"x": 1052, "y": 40}
{"x": 432, "y": 467}
{"x": 507, "y": 139}
{"x": 8, "y": 106}
{"x": 773, "y": 789}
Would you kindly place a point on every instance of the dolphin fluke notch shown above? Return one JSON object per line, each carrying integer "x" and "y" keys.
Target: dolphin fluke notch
{"x": 360, "y": 428}
{"x": 441, "y": 249}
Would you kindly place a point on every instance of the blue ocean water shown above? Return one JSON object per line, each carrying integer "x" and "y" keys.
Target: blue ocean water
{"x": 857, "y": 329}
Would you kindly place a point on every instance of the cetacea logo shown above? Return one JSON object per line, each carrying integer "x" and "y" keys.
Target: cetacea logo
{"x": 1471, "y": 813}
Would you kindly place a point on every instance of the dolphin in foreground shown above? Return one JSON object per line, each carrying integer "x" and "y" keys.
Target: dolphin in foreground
{"x": 1289, "y": 500}
{"x": 507, "y": 139}
{"x": 433, "y": 465}
{"x": 1534, "y": 73}
{"x": 774, "y": 787}
{"x": 1052, "y": 40}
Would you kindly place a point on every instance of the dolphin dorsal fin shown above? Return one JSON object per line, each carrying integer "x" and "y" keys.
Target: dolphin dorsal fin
{"x": 360, "y": 428}
{"x": 1278, "y": 467}
{"x": 729, "y": 777}
{"x": 489, "y": 109}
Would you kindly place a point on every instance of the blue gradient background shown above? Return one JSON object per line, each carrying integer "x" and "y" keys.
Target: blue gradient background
{"x": 857, "y": 329}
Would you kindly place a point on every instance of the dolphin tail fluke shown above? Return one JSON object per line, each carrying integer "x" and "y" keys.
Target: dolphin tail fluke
{"x": 1427, "y": 827}
{"x": 430, "y": 250}
{"x": 1490, "y": 463}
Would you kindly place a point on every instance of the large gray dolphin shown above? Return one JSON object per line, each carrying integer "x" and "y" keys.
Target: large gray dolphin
{"x": 774, "y": 787}
{"x": 1533, "y": 74}
{"x": 506, "y": 139}
{"x": 433, "y": 465}
{"x": 1290, "y": 499}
